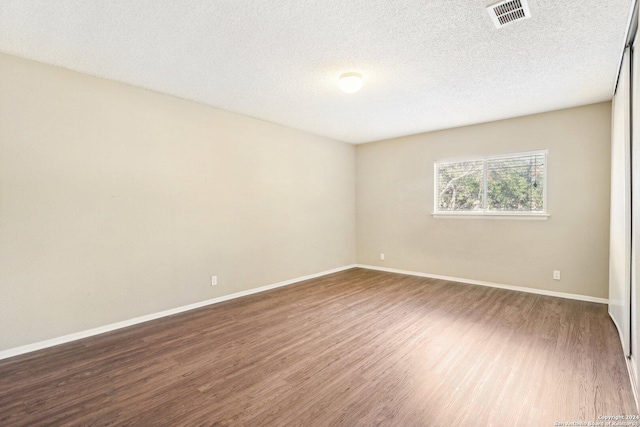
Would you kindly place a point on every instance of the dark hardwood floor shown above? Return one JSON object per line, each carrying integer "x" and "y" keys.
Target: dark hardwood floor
{"x": 353, "y": 348}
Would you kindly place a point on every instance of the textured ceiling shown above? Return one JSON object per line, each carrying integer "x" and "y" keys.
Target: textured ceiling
{"x": 429, "y": 64}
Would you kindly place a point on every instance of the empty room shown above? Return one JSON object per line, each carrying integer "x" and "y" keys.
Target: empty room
{"x": 319, "y": 213}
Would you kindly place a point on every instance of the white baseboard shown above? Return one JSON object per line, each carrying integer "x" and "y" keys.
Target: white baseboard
{"x": 492, "y": 285}
{"x": 16, "y": 351}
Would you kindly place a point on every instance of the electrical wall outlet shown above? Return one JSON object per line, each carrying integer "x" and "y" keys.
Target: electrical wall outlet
{"x": 382, "y": 257}
{"x": 214, "y": 280}
{"x": 556, "y": 274}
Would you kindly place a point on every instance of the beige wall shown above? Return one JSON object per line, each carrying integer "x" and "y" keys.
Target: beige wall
{"x": 395, "y": 200}
{"x": 117, "y": 202}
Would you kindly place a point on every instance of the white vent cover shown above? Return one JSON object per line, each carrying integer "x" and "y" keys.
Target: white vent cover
{"x": 508, "y": 11}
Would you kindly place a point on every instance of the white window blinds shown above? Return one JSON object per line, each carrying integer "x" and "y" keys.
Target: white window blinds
{"x": 513, "y": 183}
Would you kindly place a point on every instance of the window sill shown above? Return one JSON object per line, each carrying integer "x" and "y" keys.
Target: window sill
{"x": 484, "y": 215}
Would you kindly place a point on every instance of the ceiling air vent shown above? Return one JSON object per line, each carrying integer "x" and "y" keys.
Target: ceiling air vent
{"x": 508, "y": 11}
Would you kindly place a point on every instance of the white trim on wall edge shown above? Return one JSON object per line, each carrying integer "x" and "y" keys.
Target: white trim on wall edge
{"x": 16, "y": 351}
{"x": 630, "y": 362}
{"x": 632, "y": 377}
{"x": 489, "y": 284}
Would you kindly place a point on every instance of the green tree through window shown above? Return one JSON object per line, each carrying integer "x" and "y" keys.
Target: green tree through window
{"x": 501, "y": 184}
{"x": 460, "y": 186}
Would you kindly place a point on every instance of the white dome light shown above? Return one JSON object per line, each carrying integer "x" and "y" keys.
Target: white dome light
{"x": 350, "y": 82}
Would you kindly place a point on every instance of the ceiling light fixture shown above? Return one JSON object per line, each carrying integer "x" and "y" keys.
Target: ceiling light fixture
{"x": 351, "y": 82}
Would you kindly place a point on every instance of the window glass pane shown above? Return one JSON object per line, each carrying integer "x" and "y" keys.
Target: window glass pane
{"x": 460, "y": 186}
{"x": 515, "y": 184}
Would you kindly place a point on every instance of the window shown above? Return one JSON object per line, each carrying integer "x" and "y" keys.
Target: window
{"x": 508, "y": 185}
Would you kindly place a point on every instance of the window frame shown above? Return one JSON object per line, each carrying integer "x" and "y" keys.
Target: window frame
{"x": 486, "y": 213}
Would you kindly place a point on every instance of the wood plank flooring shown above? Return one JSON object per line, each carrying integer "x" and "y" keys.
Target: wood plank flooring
{"x": 355, "y": 348}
